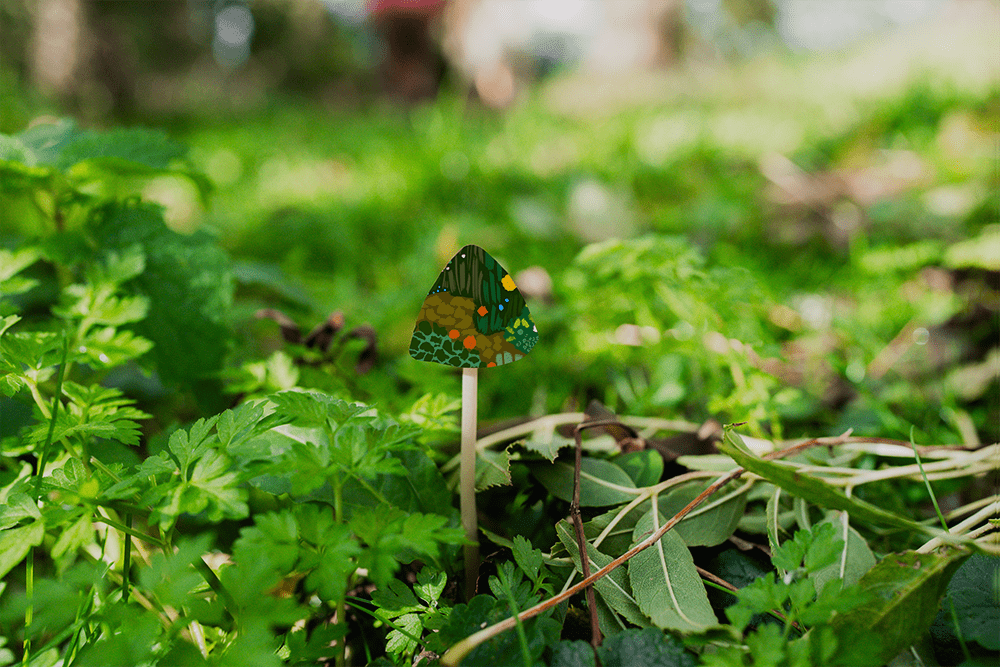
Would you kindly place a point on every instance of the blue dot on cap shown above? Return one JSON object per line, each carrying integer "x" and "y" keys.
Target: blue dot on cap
{"x": 506, "y": 299}
{"x": 500, "y": 306}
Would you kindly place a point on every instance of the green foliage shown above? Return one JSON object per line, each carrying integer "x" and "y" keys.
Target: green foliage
{"x": 802, "y": 608}
{"x": 128, "y": 288}
{"x": 153, "y": 527}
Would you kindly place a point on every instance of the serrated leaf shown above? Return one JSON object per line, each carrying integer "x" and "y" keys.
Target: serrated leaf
{"x": 527, "y": 557}
{"x": 665, "y": 582}
{"x": 314, "y": 408}
{"x": 546, "y": 443}
{"x": 171, "y": 576}
{"x": 273, "y": 536}
{"x": 219, "y": 487}
{"x": 613, "y": 588}
{"x": 36, "y": 350}
{"x": 905, "y": 591}
{"x": 109, "y": 347}
{"x": 510, "y": 586}
{"x": 492, "y": 469}
{"x": 331, "y": 563}
{"x": 188, "y": 445}
{"x": 235, "y": 426}
{"x": 396, "y": 641}
{"x": 602, "y": 483}
{"x": 430, "y": 584}
{"x": 421, "y": 489}
{"x": 813, "y": 489}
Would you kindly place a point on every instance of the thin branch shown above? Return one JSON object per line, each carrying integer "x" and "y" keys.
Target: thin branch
{"x": 581, "y": 538}
{"x": 454, "y": 655}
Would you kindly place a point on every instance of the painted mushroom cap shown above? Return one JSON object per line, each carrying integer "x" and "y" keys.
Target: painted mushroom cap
{"x": 474, "y": 316}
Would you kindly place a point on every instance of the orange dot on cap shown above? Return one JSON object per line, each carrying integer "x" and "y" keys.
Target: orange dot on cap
{"x": 453, "y": 334}
{"x": 482, "y": 310}
{"x": 469, "y": 342}
{"x": 491, "y": 364}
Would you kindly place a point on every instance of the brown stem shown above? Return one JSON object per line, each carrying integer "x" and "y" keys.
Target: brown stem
{"x": 462, "y": 648}
{"x": 581, "y": 539}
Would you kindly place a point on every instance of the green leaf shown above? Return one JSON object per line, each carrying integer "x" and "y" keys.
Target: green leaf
{"x": 94, "y": 412}
{"x": 187, "y": 446}
{"x": 430, "y": 584}
{"x": 16, "y": 542}
{"x": 547, "y": 443}
{"x": 274, "y": 537}
{"x": 602, "y": 483}
{"x": 172, "y": 576}
{"x": 509, "y": 585}
{"x": 19, "y": 506}
{"x": 712, "y": 522}
{"x": 43, "y": 144}
{"x": 235, "y": 427}
{"x": 573, "y": 654}
{"x": 108, "y": 347}
{"x": 648, "y": 647}
{"x": 645, "y": 466}
{"x": 397, "y": 642}
{"x": 665, "y": 582}
{"x": 906, "y": 589}
{"x": 12, "y": 263}
{"x": 128, "y": 149}
{"x": 395, "y": 537}
{"x": 767, "y": 646}
{"x": 504, "y": 649}
{"x": 975, "y": 592}
{"x": 492, "y": 469}
{"x": 78, "y": 534}
{"x": 188, "y": 284}
{"x": 219, "y": 491}
{"x": 331, "y": 561}
{"x": 395, "y": 598}
{"x": 815, "y": 549}
{"x": 314, "y": 408}
{"x": 421, "y": 489}
{"x": 613, "y": 588}
{"x": 854, "y": 559}
{"x": 527, "y": 558}
{"x": 814, "y": 490}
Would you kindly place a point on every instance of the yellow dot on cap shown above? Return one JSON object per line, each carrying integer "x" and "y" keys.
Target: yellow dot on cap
{"x": 508, "y": 283}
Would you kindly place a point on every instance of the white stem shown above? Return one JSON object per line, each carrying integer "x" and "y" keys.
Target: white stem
{"x": 467, "y": 477}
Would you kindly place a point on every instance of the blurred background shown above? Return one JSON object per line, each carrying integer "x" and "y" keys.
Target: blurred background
{"x": 781, "y": 209}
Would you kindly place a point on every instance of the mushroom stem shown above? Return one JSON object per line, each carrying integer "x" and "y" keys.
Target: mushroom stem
{"x": 467, "y": 478}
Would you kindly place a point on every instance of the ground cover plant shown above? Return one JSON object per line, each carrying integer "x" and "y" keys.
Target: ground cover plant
{"x": 188, "y": 477}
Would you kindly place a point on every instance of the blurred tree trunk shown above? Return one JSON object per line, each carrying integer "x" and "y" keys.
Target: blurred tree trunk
{"x": 57, "y": 51}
